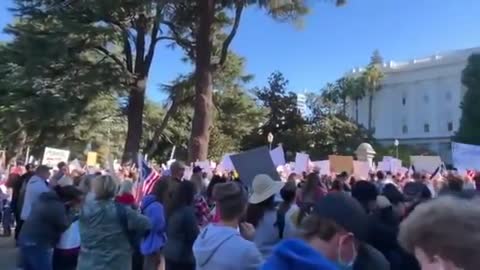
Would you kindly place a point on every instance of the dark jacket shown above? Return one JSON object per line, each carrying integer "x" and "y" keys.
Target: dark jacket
{"x": 370, "y": 259}
{"x": 182, "y": 230}
{"x": 47, "y": 221}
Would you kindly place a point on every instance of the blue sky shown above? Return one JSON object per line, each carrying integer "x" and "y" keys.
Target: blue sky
{"x": 333, "y": 40}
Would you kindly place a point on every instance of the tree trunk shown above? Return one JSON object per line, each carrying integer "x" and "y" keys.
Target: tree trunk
{"x": 356, "y": 110}
{"x": 136, "y": 103}
{"x": 156, "y": 135}
{"x": 202, "y": 116}
{"x": 370, "y": 109}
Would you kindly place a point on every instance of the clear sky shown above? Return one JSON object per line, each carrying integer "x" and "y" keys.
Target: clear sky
{"x": 333, "y": 40}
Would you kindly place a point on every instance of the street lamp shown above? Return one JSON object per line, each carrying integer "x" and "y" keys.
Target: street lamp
{"x": 270, "y": 139}
{"x": 396, "y": 143}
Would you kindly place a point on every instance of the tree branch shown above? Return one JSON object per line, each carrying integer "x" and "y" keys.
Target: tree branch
{"x": 233, "y": 32}
{"x": 153, "y": 37}
{"x": 186, "y": 44}
{"x": 111, "y": 56}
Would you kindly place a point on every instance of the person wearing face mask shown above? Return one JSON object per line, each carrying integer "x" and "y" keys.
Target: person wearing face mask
{"x": 331, "y": 238}
{"x": 444, "y": 234}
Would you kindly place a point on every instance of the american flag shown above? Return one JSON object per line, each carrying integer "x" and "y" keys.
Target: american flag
{"x": 147, "y": 179}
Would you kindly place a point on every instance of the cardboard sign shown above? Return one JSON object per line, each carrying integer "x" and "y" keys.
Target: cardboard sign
{"x": 425, "y": 163}
{"x": 361, "y": 169}
{"x": 91, "y": 158}
{"x": 254, "y": 162}
{"x": 339, "y": 164}
{"x": 301, "y": 163}
{"x": 278, "y": 156}
{"x": 53, "y": 156}
{"x": 323, "y": 166}
{"x": 466, "y": 156}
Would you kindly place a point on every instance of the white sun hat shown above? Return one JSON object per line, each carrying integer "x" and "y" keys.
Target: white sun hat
{"x": 264, "y": 187}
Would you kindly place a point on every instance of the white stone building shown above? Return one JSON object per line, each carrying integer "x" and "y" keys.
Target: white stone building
{"x": 419, "y": 102}
{"x": 302, "y": 104}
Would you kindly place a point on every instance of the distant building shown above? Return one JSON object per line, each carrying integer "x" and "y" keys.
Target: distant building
{"x": 419, "y": 102}
{"x": 302, "y": 104}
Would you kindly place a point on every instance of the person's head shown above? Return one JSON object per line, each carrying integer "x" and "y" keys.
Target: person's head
{"x": 160, "y": 190}
{"x": 177, "y": 169}
{"x": 43, "y": 172}
{"x": 126, "y": 187}
{"x": 337, "y": 185}
{"x": 311, "y": 184}
{"x": 184, "y": 195}
{"x": 62, "y": 167}
{"x": 263, "y": 197}
{"x": 85, "y": 184}
{"x": 336, "y": 227}
{"x": 454, "y": 183}
{"x": 444, "y": 234}
{"x": 30, "y": 168}
{"x": 289, "y": 192}
{"x": 104, "y": 187}
{"x": 216, "y": 179}
{"x": 293, "y": 177}
{"x": 397, "y": 199}
{"x": 366, "y": 193}
{"x": 380, "y": 176}
{"x": 231, "y": 201}
{"x": 69, "y": 195}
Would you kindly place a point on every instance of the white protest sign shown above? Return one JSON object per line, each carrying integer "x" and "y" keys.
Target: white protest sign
{"x": 323, "y": 166}
{"x": 278, "y": 156}
{"x": 53, "y": 156}
{"x": 466, "y": 156}
{"x": 226, "y": 164}
{"x": 301, "y": 163}
{"x": 361, "y": 169}
{"x": 425, "y": 163}
{"x": 383, "y": 166}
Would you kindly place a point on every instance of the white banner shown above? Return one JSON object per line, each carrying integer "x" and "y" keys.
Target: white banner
{"x": 466, "y": 156}
{"x": 53, "y": 156}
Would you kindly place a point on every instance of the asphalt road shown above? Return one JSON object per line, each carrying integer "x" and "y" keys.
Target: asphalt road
{"x": 8, "y": 253}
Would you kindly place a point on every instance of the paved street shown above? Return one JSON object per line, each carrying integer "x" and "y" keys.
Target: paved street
{"x": 7, "y": 254}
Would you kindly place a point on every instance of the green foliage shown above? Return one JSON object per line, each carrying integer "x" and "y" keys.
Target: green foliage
{"x": 469, "y": 130}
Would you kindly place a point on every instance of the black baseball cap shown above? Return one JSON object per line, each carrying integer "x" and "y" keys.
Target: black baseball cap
{"x": 346, "y": 212}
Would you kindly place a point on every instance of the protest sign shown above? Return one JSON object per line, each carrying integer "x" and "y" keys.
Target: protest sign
{"x": 278, "y": 156}
{"x": 383, "y": 166}
{"x": 340, "y": 164}
{"x": 91, "y": 158}
{"x": 323, "y": 166}
{"x": 226, "y": 164}
{"x": 53, "y": 156}
{"x": 466, "y": 156}
{"x": 254, "y": 162}
{"x": 425, "y": 163}
{"x": 301, "y": 163}
{"x": 390, "y": 164}
{"x": 361, "y": 169}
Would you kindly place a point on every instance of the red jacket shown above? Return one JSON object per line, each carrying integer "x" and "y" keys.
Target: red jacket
{"x": 125, "y": 198}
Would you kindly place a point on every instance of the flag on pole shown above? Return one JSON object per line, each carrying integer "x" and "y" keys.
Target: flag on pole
{"x": 147, "y": 179}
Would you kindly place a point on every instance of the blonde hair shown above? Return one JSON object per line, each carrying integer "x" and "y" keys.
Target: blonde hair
{"x": 104, "y": 187}
{"x": 126, "y": 186}
{"x": 448, "y": 227}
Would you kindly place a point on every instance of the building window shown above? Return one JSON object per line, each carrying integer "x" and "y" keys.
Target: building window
{"x": 404, "y": 101}
{"x": 426, "y": 128}
{"x": 404, "y": 129}
{"x": 450, "y": 126}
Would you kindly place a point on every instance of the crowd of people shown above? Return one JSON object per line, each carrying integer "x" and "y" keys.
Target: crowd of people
{"x": 71, "y": 220}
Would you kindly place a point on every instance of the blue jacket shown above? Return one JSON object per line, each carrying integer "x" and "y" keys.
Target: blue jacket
{"x": 297, "y": 254}
{"x": 157, "y": 237}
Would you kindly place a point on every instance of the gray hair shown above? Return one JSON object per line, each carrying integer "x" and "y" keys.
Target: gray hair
{"x": 104, "y": 187}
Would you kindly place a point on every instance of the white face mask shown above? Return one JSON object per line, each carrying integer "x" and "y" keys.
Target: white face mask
{"x": 340, "y": 261}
